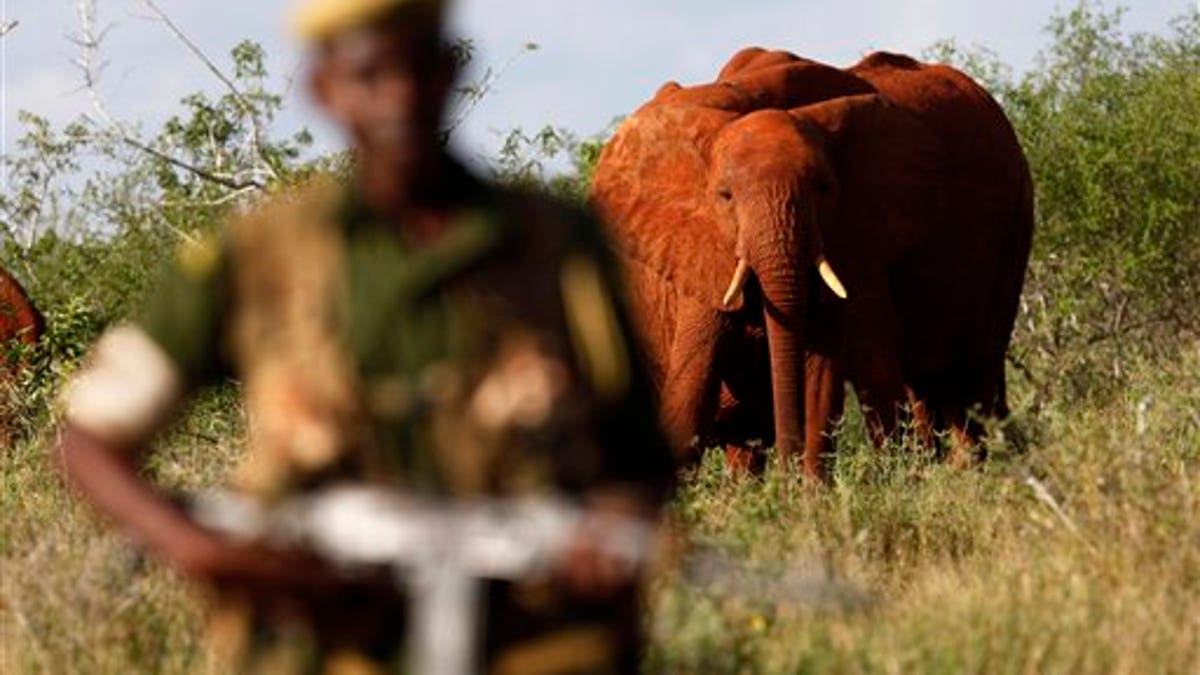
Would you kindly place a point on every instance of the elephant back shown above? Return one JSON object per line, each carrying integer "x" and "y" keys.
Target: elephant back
{"x": 989, "y": 205}
{"x": 771, "y": 79}
{"x": 755, "y": 58}
{"x": 973, "y": 127}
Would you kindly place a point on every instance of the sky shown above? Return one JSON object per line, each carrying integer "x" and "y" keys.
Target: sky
{"x": 597, "y": 59}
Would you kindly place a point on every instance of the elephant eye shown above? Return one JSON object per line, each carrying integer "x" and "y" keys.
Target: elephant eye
{"x": 725, "y": 194}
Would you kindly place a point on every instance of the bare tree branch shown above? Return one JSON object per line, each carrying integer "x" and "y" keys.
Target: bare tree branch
{"x": 232, "y": 196}
{"x": 89, "y": 41}
{"x": 289, "y": 82}
{"x": 223, "y": 180}
{"x": 158, "y": 15}
{"x": 473, "y": 94}
{"x": 7, "y": 27}
{"x": 259, "y": 135}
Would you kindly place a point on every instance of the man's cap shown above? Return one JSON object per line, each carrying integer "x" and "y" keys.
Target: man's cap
{"x": 318, "y": 20}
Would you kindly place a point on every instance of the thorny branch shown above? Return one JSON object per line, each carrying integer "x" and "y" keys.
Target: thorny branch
{"x": 218, "y": 179}
{"x": 474, "y": 93}
{"x": 257, "y": 139}
{"x": 89, "y": 40}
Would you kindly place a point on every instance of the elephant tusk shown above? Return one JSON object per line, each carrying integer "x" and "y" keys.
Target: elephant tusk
{"x": 737, "y": 283}
{"x": 830, "y": 278}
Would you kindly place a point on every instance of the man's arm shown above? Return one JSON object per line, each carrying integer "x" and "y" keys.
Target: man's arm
{"x": 106, "y": 477}
{"x": 135, "y": 378}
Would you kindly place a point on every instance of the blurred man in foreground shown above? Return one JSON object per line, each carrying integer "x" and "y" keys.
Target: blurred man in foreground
{"x": 416, "y": 328}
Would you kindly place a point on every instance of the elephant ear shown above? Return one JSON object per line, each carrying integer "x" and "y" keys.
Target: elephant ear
{"x": 891, "y": 171}
{"x": 650, "y": 189}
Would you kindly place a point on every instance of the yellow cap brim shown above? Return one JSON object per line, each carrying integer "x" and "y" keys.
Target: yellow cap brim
{"x": 319, "y": 20}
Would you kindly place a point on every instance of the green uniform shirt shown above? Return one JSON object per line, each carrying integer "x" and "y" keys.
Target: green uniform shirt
{"x": 416, "y": 316}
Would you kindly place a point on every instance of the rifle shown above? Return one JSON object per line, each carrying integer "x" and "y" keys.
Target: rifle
{"x": 441, "y": 553}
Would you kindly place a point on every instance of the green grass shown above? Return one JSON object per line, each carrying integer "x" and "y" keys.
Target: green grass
{"x": 928, "y": 568}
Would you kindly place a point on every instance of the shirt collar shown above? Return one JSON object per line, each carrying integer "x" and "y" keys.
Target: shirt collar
{"x": 479, "y": 229}
{"x": 471, "y": 194}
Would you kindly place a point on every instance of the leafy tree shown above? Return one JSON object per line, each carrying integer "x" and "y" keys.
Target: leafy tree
{"x": 1109, "y": 123}
{"x": 91, "y": 211}
{"x": 552, "y": 158}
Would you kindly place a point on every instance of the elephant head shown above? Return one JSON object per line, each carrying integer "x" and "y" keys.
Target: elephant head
{"x": 702, "y": 199}
{"x": 780, "y": 173}
{"x": 856, "y": 171}
{"x": 20, "y": 321}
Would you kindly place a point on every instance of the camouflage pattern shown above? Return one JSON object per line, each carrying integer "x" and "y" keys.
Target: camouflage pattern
{"x": 496, "y": 360}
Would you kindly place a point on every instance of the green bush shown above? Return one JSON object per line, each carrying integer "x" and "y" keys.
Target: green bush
{"x": 1110, "y": 122}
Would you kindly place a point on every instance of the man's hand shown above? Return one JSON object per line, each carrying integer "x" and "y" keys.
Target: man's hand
{"x": 285, "y": 584}
{"x": 251, "y": 569}
{"x": 108, "y": 478}
{"x": 590, "y": 567}
{"x": 294, "y": 586}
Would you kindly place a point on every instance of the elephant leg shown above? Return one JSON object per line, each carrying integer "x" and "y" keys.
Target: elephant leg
{"x": 922, "y": 418}
{"x": 964, "y": 438}
{"x": 824, "y": 400}
{"x": 743, "y": 459}
{"x": 692, "y": 384}
{"x": 874, "y": 359}
{"x": 979, "y": 393}
{"x": 742, "y": 426}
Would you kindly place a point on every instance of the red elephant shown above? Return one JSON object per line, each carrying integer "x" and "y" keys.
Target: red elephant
{"x": 793, "y": 225}
{"x": 19, "y": 319}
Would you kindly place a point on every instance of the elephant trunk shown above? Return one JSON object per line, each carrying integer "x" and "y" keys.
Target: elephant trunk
{"x": 785, "y": 339}
{"x": 780, "y": 256}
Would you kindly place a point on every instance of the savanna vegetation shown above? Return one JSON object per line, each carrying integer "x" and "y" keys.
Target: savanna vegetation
{"x": 1074, "y": 549}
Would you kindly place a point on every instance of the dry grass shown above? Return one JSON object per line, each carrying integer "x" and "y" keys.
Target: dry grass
{"x": 1080, "y": 554}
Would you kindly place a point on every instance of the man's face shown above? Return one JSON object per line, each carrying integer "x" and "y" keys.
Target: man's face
{"x": 387, "y": 87}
